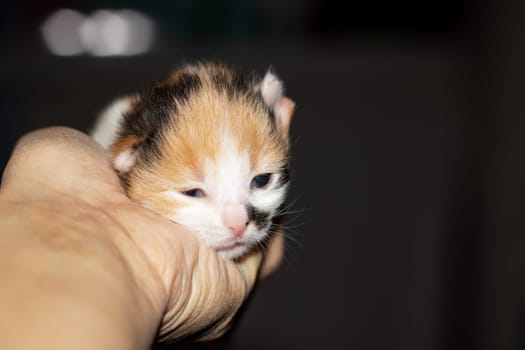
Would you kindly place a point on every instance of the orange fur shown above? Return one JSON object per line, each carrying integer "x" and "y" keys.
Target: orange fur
{"x": 124, "y": 144}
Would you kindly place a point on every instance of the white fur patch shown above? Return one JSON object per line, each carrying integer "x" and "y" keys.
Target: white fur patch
{"x": 269, "y": 199}
{"x": 125, "y": 161}
{"x": 272, "y": 89}
{"x": 230, "y": 173}
{"x": 108, "y": 123}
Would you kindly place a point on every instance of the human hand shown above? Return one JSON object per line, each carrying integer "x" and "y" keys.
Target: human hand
{"x": 129, "y": 272}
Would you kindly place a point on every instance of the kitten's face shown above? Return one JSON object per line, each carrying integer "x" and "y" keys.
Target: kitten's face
{"x": 220, "y": 176}
{"x": 232, "y": 205}
{"x": 219, "y": 168}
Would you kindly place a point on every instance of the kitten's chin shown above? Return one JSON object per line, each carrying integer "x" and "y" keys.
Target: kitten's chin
{"x": 232, "y": 251}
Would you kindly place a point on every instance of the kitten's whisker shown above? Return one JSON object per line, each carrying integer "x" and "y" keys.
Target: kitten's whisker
{"x": 286, "y": 236}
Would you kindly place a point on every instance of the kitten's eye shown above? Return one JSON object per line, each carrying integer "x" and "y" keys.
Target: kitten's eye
{"x": 194, "y": 192}
{"x": 260, "y": 181}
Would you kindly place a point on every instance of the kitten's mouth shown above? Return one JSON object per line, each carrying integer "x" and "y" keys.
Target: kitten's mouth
{"x": 232, "y": 251}
{"x": 230, "y": 246}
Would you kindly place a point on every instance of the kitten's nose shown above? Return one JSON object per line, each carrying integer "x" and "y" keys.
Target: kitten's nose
{"x": 235, "y": 218}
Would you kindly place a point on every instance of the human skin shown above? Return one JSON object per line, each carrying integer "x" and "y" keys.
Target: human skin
{"x": 83, "y": 267}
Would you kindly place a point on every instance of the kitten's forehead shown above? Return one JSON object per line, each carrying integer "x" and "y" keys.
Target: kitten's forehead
{"x": 213, "y": 130}
{"x": 228, "y": 174}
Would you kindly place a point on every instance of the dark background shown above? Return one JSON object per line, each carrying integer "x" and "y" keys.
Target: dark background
{"x": 408, "y": 155}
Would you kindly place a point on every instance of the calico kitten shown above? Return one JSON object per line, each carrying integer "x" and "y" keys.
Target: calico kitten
{"x": 206, "y": 148}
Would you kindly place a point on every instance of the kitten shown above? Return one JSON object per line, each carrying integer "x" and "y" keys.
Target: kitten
{"x": 206, "y": 148}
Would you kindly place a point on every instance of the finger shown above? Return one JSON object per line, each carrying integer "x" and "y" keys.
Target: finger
{"x": 260, "y": 264}
{"x": 274, "y": 255}
{"x": 249, "y": 266}
{"x": 59, "y": 159}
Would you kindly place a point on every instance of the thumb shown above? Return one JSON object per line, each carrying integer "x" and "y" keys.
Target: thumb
{"x": 52, "y": 160}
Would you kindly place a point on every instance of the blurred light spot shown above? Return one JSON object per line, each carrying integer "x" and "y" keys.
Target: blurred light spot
{"x": 141, "y": 30}
{"x": 60, "y": 32}
{"x": 104, "y": 34}
{"x": 109, "y": 33}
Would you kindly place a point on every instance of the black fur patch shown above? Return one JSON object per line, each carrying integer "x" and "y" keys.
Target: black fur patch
{"x": 285, "y": 175}
{"x": 261, "y": 218}
{"x": 233, "y": 83}
{"x": 155, "y": 107}
{"x": 238, "y": 85}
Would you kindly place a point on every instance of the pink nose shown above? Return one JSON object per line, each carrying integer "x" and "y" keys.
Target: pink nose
{"x": 235, "y": 218}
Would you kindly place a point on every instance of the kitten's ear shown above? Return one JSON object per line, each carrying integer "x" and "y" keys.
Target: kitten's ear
{"x": 108, "y": 123}
{"x": 272, "y": 91}
{"x": 125, "y": 152}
